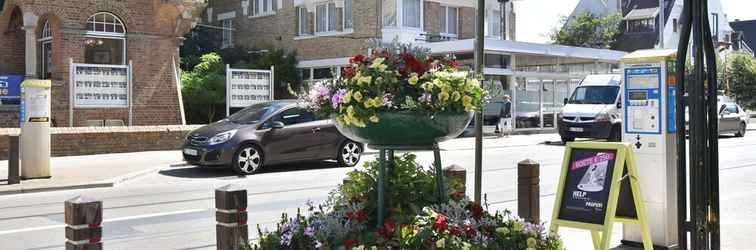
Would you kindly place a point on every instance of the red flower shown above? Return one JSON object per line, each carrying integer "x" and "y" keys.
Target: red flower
{"x": 476, "y": 210}
{"x": 470, "y": 231}
{"x": 358, "y": 59}
{"x": 453, "y": 64}
{"x": 362, "y": 216}
{"x": 440, "y": 225}
{"x": 413, "y": 64}
{"x": 457, "y": 196}
{"x": 387, "y": 230}
{"x": 348, "y": 244}
{"x": 347, "y": 72}
{"x": 351, "y": 215}
{"x": 455, "y": 231}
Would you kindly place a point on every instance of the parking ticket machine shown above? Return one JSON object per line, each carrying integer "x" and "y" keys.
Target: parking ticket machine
{"x": 649, "y": 125}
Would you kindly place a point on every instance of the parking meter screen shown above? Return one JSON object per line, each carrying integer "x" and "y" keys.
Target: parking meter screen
{"x": 587, "y": 185}
{"x": 643, "y": 101}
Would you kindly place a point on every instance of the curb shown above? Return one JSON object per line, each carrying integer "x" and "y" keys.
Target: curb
{"x": 113, "y": 182}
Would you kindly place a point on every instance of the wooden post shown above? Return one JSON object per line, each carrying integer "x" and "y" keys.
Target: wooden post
{"x": 528, "y": 191}
{"x": 13, "y": 160}
{"x": 83, "y": 217}
{"x": 458, "y": 173}
{"x": 231, "y": 217}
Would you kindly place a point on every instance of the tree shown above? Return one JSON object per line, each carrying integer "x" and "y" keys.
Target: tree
{"x": 285, "y": 71}
{"x": 741, "y": 74}
{"x": 204, "y": 89}
{"x": 200, "y": 41}
{"x": 590, "y": 31}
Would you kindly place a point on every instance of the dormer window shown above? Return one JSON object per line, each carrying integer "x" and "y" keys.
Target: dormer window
{"x": 641, "y": 20}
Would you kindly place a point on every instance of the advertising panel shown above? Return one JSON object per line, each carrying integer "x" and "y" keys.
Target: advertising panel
{"x": 100, "y": 86}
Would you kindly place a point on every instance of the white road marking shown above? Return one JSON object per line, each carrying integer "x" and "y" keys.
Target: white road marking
{"x": 135, "y": 217}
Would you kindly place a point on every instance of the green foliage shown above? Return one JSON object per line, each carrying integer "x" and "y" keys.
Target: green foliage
{"x": 590, "y": 31}
{"x": 285, "y": 71}
{"x": 741, "y": 75}
{"x": 198, "y": 42}
{"x": 204, "y": 89}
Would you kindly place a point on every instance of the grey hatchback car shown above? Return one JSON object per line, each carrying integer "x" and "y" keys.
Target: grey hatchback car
{"x": 269, "y": 133}
{"x": 732, "y": 119}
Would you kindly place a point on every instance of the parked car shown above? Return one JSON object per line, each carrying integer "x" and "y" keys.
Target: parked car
{"x": 593, "y": 110}
{"x": 267, "y": 134}
{"x": 732, "y": 119}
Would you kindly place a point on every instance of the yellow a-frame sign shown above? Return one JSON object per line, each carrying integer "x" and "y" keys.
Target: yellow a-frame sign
{"x": 589, "y": 191}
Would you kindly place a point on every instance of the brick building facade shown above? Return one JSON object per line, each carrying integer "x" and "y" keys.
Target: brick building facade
{"x": 40, "y": 39}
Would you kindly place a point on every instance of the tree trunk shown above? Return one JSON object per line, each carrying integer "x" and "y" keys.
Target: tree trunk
{"x": 210, "y": 114}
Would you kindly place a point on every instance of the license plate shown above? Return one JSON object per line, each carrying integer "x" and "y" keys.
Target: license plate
{"x": 576, "y": 129}
{"x": 192, "y": 152}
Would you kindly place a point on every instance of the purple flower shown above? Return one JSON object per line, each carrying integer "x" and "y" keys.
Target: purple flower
{"x": 388, "y": 100}
{"x": 310, "y": 232}
{"x": 337, "y": 97}
{"x": 319, "y": 92}
{"x": 425, "y": 99}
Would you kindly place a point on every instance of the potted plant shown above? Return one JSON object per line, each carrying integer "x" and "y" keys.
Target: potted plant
{"x": 399, "y": 96}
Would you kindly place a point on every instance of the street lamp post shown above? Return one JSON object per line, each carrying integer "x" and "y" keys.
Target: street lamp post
{"x": 479, "y": 41}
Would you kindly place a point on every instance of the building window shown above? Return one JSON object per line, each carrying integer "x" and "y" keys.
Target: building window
{"x": 641, "y": 25}
{"x": 45, "y": 40}
{"x": 105, "y": 40}
{"x": 412, "y": 13}
{"x": 325, "y": 17}
{"x": 449, "y": 19}
{"x": 674, "y": 25}
{"x": 715, "y": 26}
{"x": 348, "y": 18}
{"x": 494, "y": 23}
{"x": 304, "y": 22}
{"x": 498, "y": 61}
{"x": 264, "y": 7}
{"x": 228, "y": 35}
{"x": 389, "y": 13}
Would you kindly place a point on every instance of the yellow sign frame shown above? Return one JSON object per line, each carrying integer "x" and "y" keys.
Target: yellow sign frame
{"x": 601, "y": 234}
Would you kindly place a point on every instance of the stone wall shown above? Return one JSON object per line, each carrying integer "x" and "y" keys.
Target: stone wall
{"x": 9, "y": 115}
{"x": 104, "y": 140}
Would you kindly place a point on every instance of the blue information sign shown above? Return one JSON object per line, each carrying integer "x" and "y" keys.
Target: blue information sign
{"x": 10, "y": 88}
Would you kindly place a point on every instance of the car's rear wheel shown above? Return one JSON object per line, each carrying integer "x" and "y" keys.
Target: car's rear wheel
{"x": 349, "y": 153}
{"x": 741, "y": 130}
{"x": 247, "y": 160}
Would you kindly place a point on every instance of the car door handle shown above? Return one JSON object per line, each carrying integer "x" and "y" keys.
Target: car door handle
{"x": 315, "y": 130}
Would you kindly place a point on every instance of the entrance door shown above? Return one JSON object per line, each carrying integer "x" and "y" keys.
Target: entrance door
{"x": 528, "y": 103}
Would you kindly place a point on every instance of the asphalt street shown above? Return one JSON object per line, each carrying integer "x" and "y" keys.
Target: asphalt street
{"x": 174, "y": 208}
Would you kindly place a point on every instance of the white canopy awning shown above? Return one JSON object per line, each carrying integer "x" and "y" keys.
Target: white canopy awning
{"x": 515, "y": 47}
{"x": 639, "y": 14}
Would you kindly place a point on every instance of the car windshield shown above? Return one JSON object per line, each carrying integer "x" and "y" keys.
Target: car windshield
{"x": 594, "y": 95}
{"x": 252, "y": 114}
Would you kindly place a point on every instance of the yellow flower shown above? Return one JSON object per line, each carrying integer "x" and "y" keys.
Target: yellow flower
{"x": 456, "y": 96}
{"x": 377, "y": 102}
{"x": 502, "y": 230}
{"x": 443, "y": 96}
{"x": 518, "y": 226}
{"x": 465, "y": 246}
{"x": 365, "y": 80}
{"x": 350, "y": 110}
{"x": 347, "y": 98}
{"x": 357, "y": 96}
{"x": 413, "y": 79}
{"x": 441, "y": 243}
{"x": 467, "y": 103}
{"x": 428, "y": 87}
{"x": 532, "y": 242}
{"x": 359, "y": 123}
{"x": 375, "y": 119}
{"x": 377, "y": 62}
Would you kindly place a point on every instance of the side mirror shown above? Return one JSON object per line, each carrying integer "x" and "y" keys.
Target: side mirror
{"x": 619, "y": 105}
{"x": 566, "y": 100}
{"x": 277, "y": 125}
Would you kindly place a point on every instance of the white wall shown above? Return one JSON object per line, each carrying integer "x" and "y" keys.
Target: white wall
{"x": 671, "y": 38}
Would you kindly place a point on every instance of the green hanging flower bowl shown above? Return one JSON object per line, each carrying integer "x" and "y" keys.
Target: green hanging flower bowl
{"x": 408, "y": 129}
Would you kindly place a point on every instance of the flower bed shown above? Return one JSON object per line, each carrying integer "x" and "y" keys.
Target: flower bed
{"x": 414, "y": 221}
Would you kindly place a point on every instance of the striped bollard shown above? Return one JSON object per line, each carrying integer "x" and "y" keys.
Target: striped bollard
{"x": 83, "y": 217}
{"x": 231, "y": 217}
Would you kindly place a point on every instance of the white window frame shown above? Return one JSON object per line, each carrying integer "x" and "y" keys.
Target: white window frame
{"x": 400, "y": 17}
{"x": 301, "y": 10}
{"x": 327, "y": 19}
{"x": 259, "y": 10}
{"x": 45, "y": 40}
{"x": 487, "y": 23}
{"x": 108, "y": 35}
{"x": 227, "y": 35}
{"x": 351, "y": 14}
{"x": 445, "y": 21}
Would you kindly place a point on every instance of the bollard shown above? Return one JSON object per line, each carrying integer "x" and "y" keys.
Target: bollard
{"x": 231, "y": 216}
{"x": 13, "y": 160}
{"x": 528, "y": 191}
{"x": 83, "y": 217}
{"x": 458, "y": 173}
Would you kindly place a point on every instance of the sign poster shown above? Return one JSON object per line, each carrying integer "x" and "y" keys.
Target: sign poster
{"x": 248, "y": 87}
{"x": 10, "y": 87}
{"x": 587, "y": 185}
{"x": 100, "y": 86}
{"x": 37, "y": 104}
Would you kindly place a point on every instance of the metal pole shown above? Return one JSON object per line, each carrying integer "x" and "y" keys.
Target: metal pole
{"x": 682, "y": 53}
{"x": 381, "y": 187}
{"x": 662, "y": 23}
{"x": 228, "y": 90}
{"x": 479, "y": 48}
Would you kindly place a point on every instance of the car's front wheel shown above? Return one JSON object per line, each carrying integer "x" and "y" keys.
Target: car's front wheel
{"x": 741, "y": 130}
{"x": 247, "y": 160}
{"x": 349, "y": 154}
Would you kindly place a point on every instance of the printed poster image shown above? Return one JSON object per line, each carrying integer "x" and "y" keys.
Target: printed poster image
{"x": 586, "y": 185}
{"x": 37, "y": 103}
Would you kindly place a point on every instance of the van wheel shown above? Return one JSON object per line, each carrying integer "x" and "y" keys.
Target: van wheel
{"x": 741, "y": 130}
{"x": 616, "y": 134}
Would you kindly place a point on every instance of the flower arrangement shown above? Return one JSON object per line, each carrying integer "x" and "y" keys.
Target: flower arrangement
{"x": 346, "y": 220}
{"x": 396, "y": 78}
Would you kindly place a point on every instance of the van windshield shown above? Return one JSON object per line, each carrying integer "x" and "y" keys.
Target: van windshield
{"x": 594, "y": 95}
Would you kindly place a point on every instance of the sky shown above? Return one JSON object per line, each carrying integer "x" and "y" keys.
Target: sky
{"x": 537, "y": 18}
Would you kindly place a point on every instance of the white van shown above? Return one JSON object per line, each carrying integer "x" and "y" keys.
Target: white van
{"x": 593, "y": 110}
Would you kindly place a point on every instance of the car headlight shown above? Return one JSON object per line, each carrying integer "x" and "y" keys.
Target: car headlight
{"x": 222, "y": 137}
{"x": 604, "y": 117}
